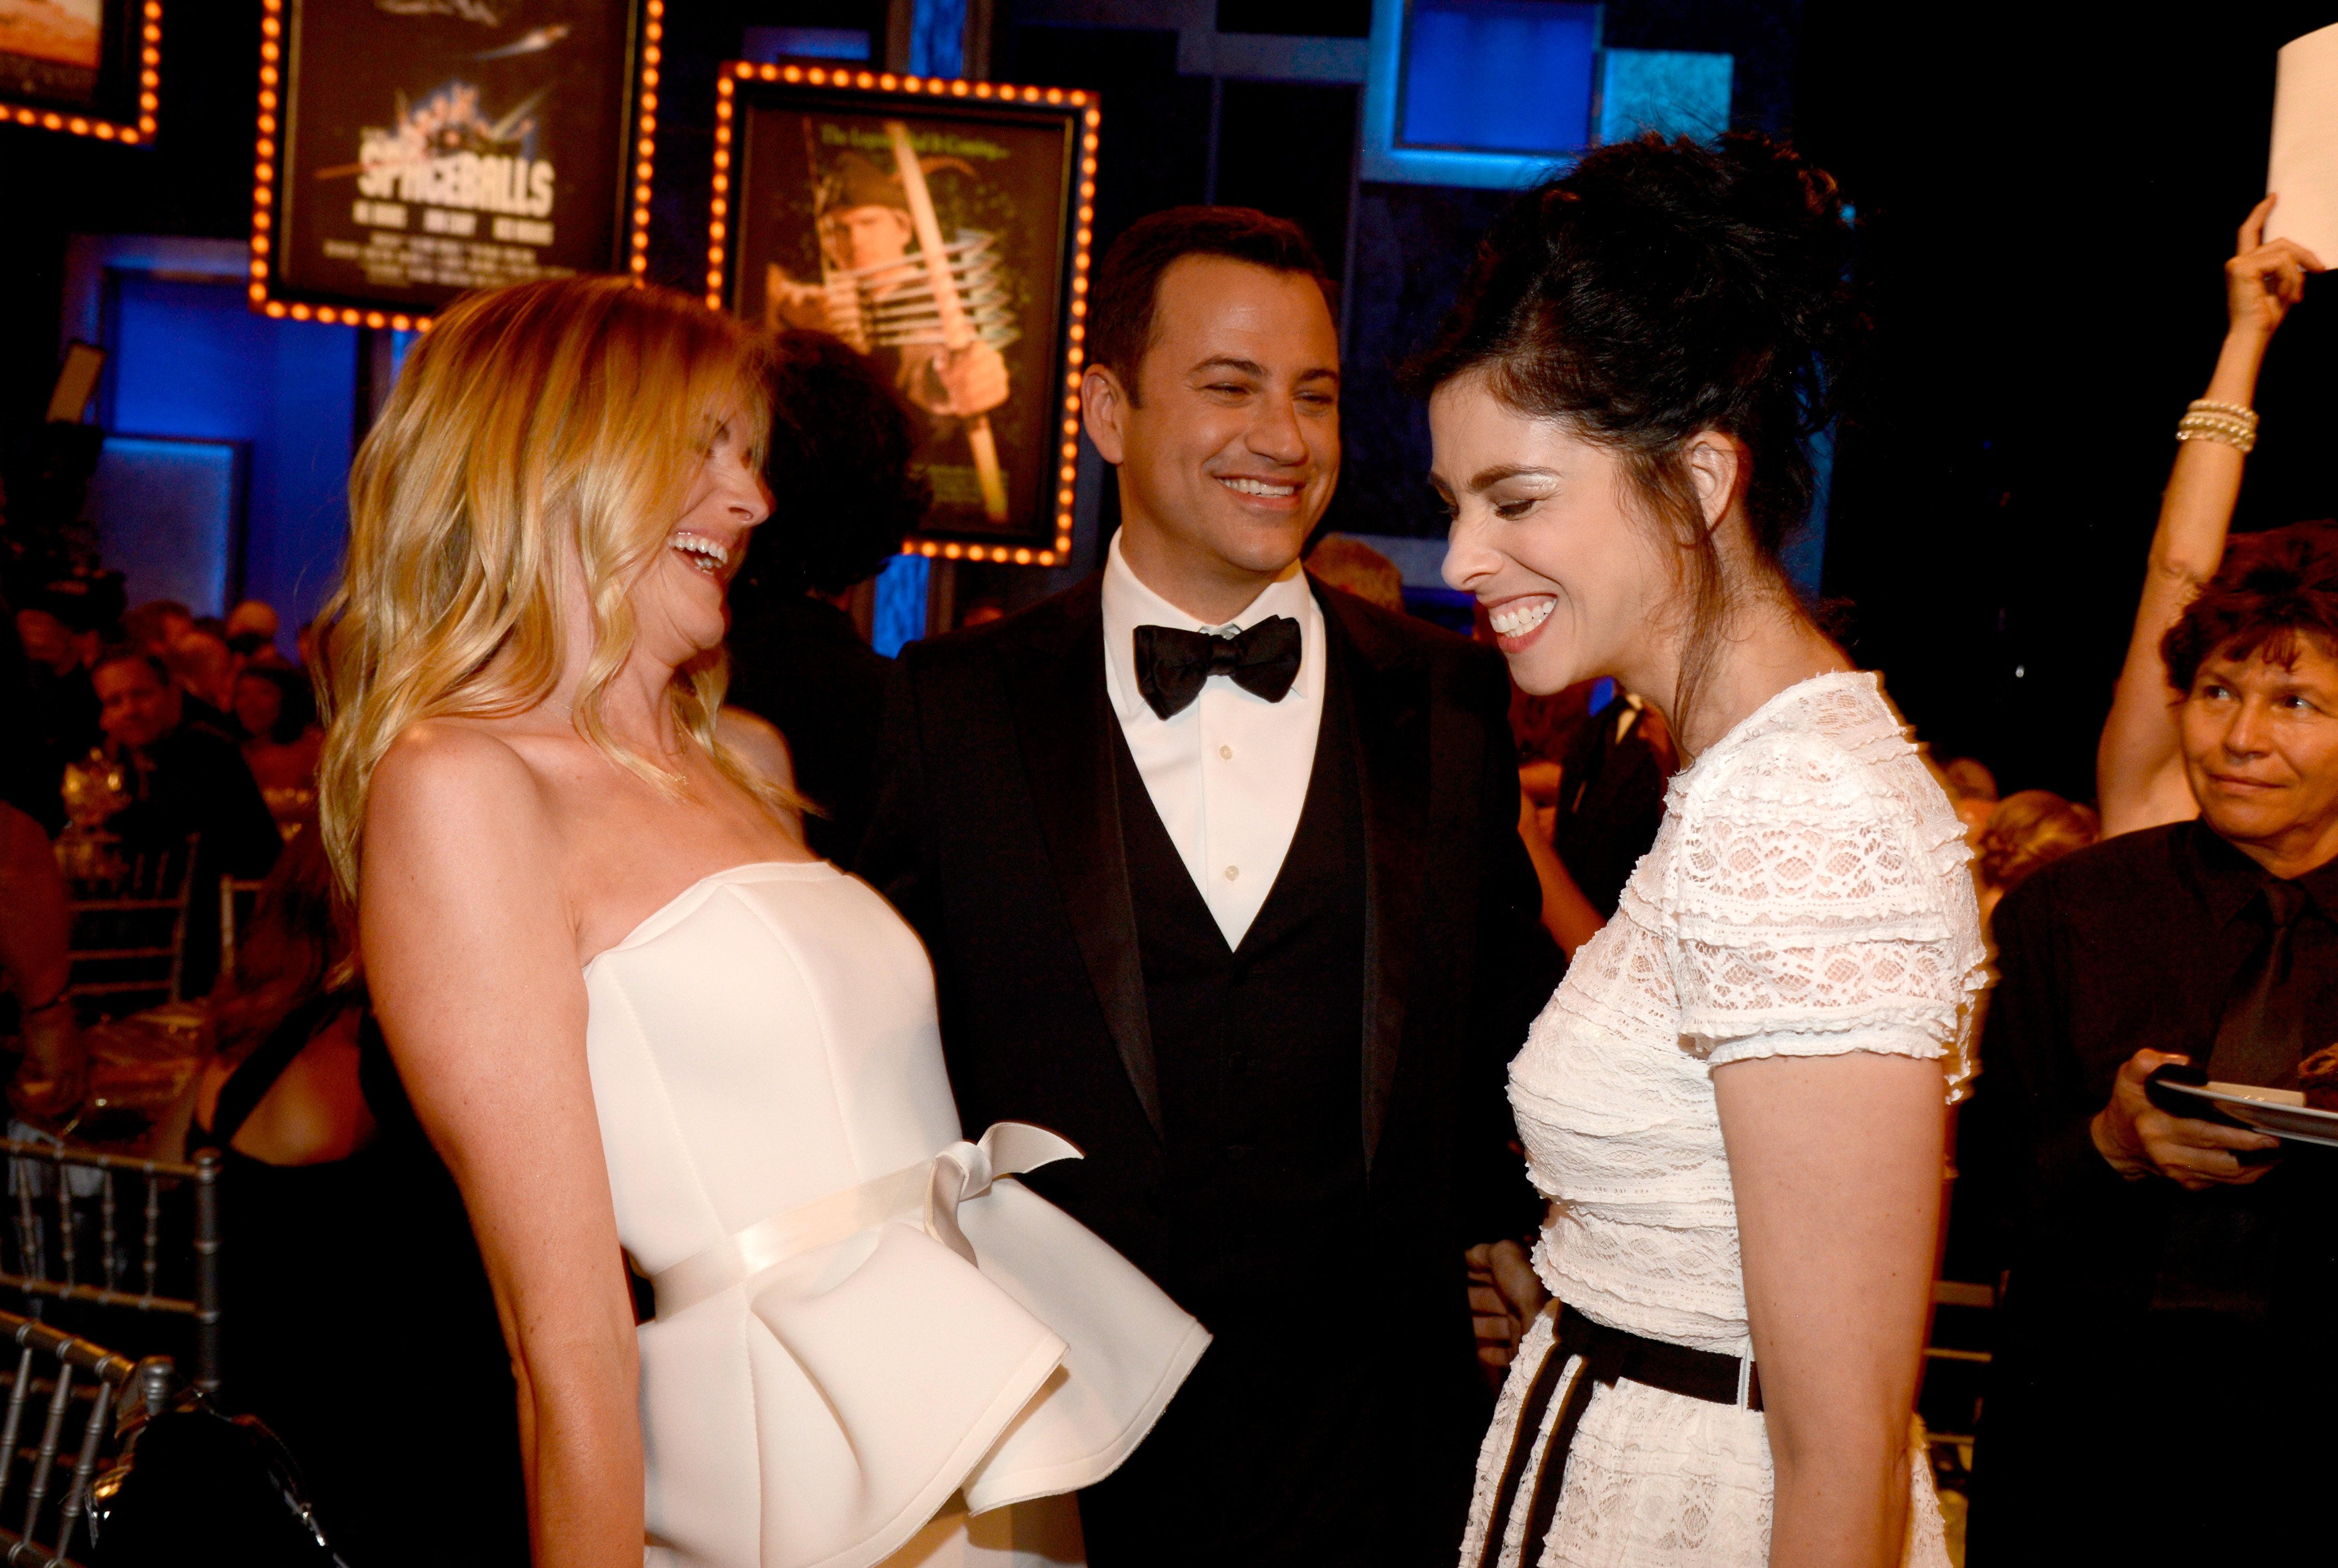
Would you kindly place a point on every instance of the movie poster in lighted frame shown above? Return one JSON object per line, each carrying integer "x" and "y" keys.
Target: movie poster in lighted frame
{"x": 412, "y": 151}
{"x": 941, "y": 227}
{"x": 84, "y": 68}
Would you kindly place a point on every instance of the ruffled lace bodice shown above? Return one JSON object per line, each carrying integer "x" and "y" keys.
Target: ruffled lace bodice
{"x": 1808, "y": 895}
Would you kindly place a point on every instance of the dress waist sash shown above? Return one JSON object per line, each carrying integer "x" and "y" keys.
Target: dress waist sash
{"x": 1602, "y": 1354}
{"x": 927, "y": 1192}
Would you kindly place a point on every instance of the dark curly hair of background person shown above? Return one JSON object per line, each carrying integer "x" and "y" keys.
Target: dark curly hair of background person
{"x": 838, "y": 468}
{"x": 2271, "y": 589}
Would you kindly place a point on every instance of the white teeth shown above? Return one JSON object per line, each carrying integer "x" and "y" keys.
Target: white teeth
{"x": 1521, "y": 616}
{"x": 708, "y": 556}
{"x": 1260, "y": 488}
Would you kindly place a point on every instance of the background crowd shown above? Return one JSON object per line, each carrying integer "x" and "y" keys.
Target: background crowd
{"x": 145, "y": 734}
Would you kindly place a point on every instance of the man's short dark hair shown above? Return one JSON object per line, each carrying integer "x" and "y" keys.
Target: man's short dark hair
{"x": 1127, "y": 289}
{"x": 2271, "y": 589}
{"x": 130, "y": 653}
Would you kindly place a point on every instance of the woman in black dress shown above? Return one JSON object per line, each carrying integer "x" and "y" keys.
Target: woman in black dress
{"x": 357, "y": 1320}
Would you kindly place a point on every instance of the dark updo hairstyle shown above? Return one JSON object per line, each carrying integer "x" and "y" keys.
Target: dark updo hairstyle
{"x": 2271, "y": 589}
{"x": 838, "y": 469}
{"x": 1656, "y": 291}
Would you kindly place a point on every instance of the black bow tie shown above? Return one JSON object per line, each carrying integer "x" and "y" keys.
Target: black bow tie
{"x": 1173, "y": 666}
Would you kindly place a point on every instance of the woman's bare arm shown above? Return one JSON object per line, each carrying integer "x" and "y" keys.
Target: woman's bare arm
{"x": 1835, "y": 1161}
{"x": 2138, "y": 773}
{"x": 471, "y": 950}
{"x": 1566, "y": 913}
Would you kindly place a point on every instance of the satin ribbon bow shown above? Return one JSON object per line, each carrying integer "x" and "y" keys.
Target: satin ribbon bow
{"x": 1173, "y": 666}
{"x": 928, "y": 1192}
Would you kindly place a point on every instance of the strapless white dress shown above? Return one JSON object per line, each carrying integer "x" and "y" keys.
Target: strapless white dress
{"x": 831, "y": 1379}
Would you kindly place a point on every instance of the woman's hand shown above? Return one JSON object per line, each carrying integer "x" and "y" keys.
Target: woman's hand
{"x": 2264, "y": 278}
{"x": 1505, "y": 1294}
{"x": 2138, "y": 1139}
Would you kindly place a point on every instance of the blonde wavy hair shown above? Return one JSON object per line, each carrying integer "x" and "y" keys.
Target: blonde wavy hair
{"x": 536, "y": 431}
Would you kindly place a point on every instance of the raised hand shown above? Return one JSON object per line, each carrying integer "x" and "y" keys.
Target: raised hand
{"x": 2264, "y": 278}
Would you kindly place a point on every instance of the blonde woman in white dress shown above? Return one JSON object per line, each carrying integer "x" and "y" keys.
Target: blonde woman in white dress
{"x": 1735, "y": 1102}
{"x": 641, "y": 1022}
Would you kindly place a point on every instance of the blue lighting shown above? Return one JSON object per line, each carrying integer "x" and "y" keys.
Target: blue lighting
{"x": 167, "y": 512}
{"x": 770, "y": 45}
{"x": 1670, "y": 91}
{"x": 1499, "y": 76}
{"x": 193, "y": 359}
{"x": 900, "y": 615}
{"x": 937, "y": 38}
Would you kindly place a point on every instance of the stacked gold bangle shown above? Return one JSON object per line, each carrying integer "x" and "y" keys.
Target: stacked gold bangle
{"x": 2227, "y": 422}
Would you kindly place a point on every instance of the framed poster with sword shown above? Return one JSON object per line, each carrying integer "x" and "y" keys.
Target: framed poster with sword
{"x": 941, "y": 228}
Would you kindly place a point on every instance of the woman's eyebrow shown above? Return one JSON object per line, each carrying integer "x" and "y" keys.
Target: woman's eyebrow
{"x": 1486, "y": 478}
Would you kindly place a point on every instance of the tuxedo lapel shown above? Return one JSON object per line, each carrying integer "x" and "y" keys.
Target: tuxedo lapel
{"x": 1387, "y": 694}
{"x": 1064, "y": 724}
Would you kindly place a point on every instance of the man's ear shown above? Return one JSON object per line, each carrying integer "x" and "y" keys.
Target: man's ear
{"x": 1104, "y": 406}
{"x": 1717, "y": 469}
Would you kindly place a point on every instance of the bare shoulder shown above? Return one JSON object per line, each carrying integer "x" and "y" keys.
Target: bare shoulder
{"x": 757, "y": 741}
{"x": 454, "y": 788}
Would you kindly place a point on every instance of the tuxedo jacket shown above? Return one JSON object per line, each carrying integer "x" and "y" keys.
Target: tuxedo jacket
{"x": 998, "y": 834}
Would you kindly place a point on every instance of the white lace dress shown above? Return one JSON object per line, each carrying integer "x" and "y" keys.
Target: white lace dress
{"x": 1807, "y": 896}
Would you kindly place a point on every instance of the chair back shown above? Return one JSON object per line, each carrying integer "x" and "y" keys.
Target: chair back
{"x": 69, "y": 1390}
{"x": 88, "y": 1227}
{"x": 129, "y": 939}
{"x": 236, "y": 900}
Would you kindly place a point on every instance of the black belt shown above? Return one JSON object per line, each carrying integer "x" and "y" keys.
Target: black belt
{"x": 1609, "y": 1354}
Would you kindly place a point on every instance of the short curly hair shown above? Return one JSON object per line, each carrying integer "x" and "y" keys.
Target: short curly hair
{"x": 838, "y": 468}
{"x": 2271, "y": 589}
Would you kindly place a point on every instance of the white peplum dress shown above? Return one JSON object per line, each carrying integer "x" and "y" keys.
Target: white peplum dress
{"x": 857, "y": 1346}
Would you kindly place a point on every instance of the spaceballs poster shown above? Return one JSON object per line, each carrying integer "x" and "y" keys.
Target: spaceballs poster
{"x": 845, "y": 203}
{"x": 439, "y": 146}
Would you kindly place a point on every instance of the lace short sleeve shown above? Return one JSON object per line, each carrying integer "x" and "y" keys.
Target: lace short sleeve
{"x": 1820, "y": 904}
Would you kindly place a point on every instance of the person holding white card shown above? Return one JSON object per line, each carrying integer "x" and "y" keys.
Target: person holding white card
{"x": 2139, "y": 779}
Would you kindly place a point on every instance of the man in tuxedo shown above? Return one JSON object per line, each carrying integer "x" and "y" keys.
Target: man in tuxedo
{"x": 1220, "y": 873}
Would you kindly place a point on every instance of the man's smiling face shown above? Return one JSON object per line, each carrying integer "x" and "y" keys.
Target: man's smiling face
{"x": 1230, "y": 450}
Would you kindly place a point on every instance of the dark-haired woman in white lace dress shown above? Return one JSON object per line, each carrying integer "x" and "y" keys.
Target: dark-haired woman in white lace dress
{"x": 1735, "y": 1102}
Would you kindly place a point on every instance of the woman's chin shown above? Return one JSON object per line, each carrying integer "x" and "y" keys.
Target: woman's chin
{"x": 1542, "y": 670}
{"x": 680, "y": 636}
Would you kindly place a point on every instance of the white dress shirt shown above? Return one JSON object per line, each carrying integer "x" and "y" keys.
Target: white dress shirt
{"x": 1228, "y": 775}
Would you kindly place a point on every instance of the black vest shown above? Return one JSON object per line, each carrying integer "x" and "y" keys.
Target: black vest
{"x": 1260, "y": 1049}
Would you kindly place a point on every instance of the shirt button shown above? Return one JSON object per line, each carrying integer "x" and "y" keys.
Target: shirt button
{"x": 1232, "y": 872}
{"x": 1226, "y": 753}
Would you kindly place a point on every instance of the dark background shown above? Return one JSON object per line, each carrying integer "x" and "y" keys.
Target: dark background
{"x": 2045, "y": 194}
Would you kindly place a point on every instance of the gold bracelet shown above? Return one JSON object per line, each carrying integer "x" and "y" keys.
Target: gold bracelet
{"x": 2237, "y": 410}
